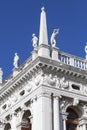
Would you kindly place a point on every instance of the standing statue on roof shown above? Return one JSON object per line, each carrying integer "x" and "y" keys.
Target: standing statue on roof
{"x": 34, "y": 40}
{"x": 16, "y": 61}
{"x": 1, "y": 76}
{"x": 53, "y": 37}
{"x": 86, "y": 51}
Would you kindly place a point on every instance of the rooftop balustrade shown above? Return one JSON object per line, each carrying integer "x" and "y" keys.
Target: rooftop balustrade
{"x": 72, "y": 60}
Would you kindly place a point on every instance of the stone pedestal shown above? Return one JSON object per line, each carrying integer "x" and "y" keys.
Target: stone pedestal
{"x": 55, "y": 53}
{"x": 34, "y": 54}
{"x": 44, "y": 51}
{"x": 15, "y": 71}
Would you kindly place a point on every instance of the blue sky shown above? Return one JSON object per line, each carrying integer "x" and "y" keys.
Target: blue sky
{"x": 20, "y": 18}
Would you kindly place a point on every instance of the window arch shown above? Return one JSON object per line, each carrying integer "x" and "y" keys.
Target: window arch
{"x": 7, "y": 126}
{"x": 72, "y": 119}
{"x": 26, "y": 123}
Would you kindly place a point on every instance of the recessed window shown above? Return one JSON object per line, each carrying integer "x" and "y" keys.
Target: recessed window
{"x": 22, "y": 92}
{"x": 28, "y": 102}
{"x": 75, "y": 87}
{"x": 4, "y": 107}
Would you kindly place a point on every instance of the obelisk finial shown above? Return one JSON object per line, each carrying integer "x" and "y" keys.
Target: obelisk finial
{"x": 43, "y": 35}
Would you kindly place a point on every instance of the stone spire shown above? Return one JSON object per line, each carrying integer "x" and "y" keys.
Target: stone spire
{"x": 43, "y": 35}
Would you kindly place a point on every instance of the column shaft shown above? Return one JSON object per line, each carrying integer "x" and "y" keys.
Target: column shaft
{"x": 42, "y": 116}
{"x": 64, "y": 124}
{"x": 84, "y": 126}
{"x": 13, "y": 122}
{"x": 1, "y": 128}
{"x": 56, "y": 114}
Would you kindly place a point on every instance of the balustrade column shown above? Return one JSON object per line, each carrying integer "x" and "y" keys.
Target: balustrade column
{"x": 71, "y": 61}
{"x": 56, "y": 114}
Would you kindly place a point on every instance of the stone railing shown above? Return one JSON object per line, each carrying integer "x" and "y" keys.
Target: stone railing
{"x": 72, "y": 60}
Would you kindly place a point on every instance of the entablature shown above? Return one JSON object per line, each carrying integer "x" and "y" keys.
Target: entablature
{"x": 48, "y": 65}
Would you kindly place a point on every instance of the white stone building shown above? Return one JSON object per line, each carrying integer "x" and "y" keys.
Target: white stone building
{"x": 48, "y": 92}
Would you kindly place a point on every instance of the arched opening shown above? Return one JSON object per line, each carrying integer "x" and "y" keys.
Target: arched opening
{"x": 7, "y": 127}
{"x": 26, "y": 123}
{"x": 72, "y": 119}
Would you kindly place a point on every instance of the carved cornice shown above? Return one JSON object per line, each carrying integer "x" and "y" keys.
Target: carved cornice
{"x": 40, "y": 64}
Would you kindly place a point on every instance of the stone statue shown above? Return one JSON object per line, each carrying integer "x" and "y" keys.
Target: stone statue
{"x": 86, "y": 51}
{"x": 34, "y": 40}
{"x": 64, "y": 83}
{"x": 49, "y": 79}
{"x": 16, "y": 61}
{"x": 1, "y": 74}
{"x": 85, "y": 110}
{"x": 53, "y": 37}
{"x": 39, "y": 79}
{"x": 57, "y": 81}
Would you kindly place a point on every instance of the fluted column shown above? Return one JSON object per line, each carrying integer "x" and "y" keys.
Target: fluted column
{"x": 56, "y": 113}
